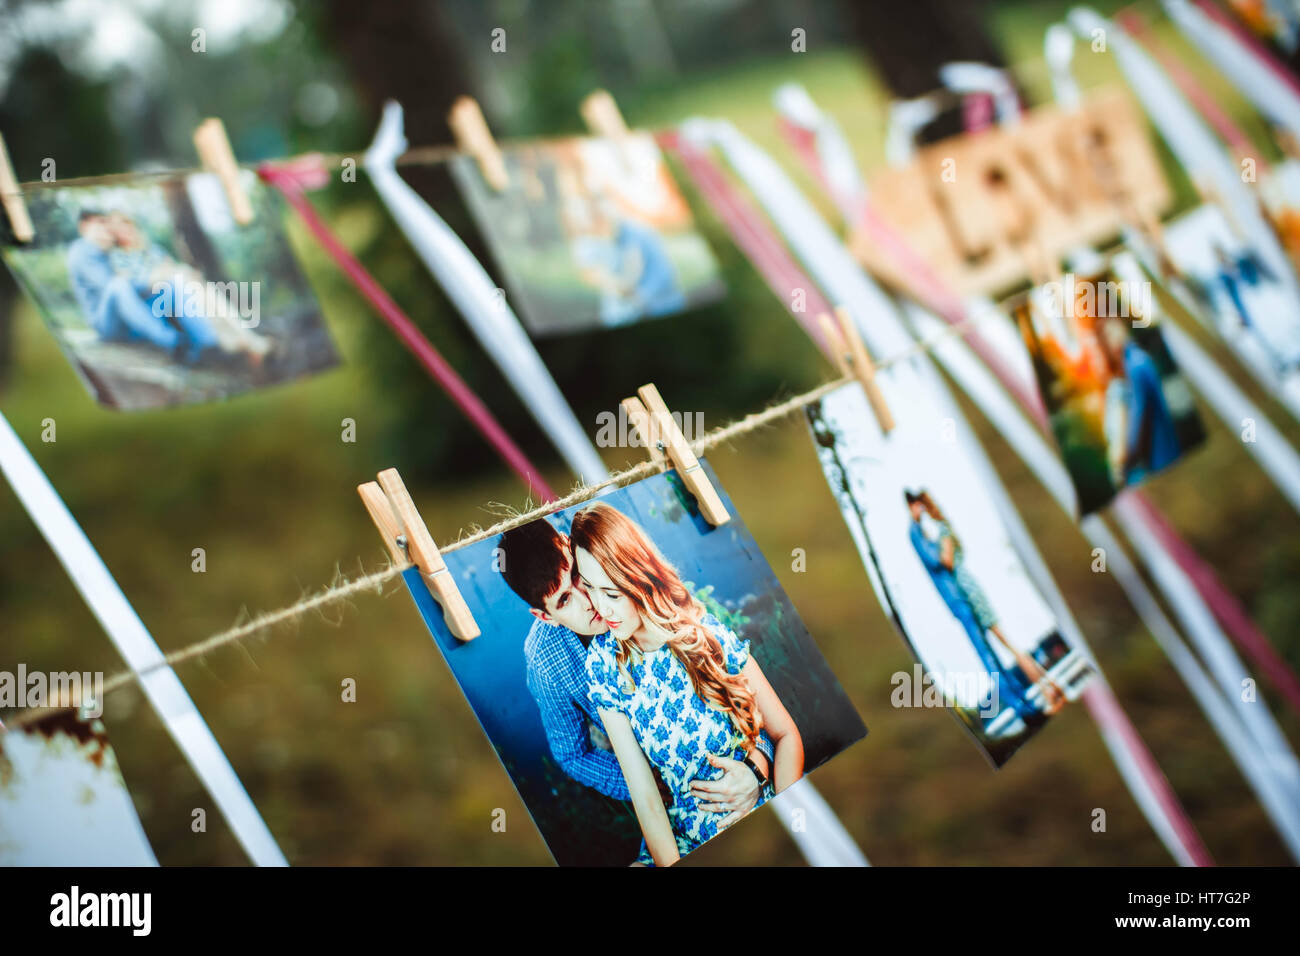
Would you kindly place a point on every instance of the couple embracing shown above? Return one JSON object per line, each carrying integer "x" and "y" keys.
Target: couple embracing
{"x": 944, "y": 558}
{"x": 620, "y": 644}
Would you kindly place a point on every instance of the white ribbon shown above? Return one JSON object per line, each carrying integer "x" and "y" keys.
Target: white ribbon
{"x": 489, "y": 316}
{"x": 1256, "y": 80}
{"x": 127, "y": 632}
{"x": 966, "y": 78}
{"x": 834, "y": 155}
{"x": 1197, "y": 149}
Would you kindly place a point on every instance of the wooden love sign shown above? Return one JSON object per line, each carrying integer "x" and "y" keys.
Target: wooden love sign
{"x": 982, "y": 208}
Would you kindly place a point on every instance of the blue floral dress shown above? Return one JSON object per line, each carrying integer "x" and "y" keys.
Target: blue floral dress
{"x": 677, "y": 730}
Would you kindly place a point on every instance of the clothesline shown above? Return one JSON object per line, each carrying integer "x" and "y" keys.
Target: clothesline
{"x": 416, "y": 156}
{"x": 335, "y": 594}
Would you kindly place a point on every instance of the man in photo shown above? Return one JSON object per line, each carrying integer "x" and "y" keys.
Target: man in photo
{"x": 115, "y": 305}
{"x": 1008, "y": 689}
{"x": 537, "y": 563}
{"x": 131, "y": 289}
{"x": 629, "y": 263}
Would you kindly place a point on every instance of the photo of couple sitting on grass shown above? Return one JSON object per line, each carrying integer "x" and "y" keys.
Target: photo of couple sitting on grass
{"x": 683, "y": 707}
{"x": 158, "y": 297}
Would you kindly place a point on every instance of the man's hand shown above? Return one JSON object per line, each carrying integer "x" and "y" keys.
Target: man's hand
{"x": 735, "y": 793}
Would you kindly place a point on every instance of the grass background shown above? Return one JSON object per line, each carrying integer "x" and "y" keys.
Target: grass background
{"x": 265, "y": 485}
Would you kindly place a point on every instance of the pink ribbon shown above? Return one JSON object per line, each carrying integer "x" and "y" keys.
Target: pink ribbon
{"x": 1222, "y": 603}
{"x": 977, "y": 112}
{"x": 753, "y": 235}
{"x": 309, "y": 172}
{"x": 925, "y": 284}
{"x": 1232, "y": 134}
{"x": 1251, "y": 43}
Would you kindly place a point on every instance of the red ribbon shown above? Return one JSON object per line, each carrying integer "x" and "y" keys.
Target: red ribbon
{"x": 309, "y": 172}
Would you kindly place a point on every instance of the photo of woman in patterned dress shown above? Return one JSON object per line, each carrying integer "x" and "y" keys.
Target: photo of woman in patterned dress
{"x": 677, "y": 691}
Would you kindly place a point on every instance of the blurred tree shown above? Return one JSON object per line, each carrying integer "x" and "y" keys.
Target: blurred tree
{"x": 403, "y": 52}
{"x": 906, "y": 43}
{"x": 48, "y": 112}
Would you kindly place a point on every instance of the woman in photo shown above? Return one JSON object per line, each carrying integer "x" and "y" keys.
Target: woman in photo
{"x": 943, "y": 548}
{"x": 675, "y": 688}
{"x": 1117, "y": 399}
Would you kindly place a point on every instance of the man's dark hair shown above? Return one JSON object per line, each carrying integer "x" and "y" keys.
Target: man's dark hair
{"x": 533, "y": 561}
{"x": 89, "y": 214}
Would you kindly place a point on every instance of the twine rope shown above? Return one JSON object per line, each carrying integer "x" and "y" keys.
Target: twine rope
{"x": 337, "y": 593}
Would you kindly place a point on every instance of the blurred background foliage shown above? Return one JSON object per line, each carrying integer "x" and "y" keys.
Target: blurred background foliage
{"x": 265, "y": 485}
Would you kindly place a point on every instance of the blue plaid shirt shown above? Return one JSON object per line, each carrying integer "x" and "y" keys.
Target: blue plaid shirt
{"x": 556, "y": 674}
{"x": 554, "y": 662}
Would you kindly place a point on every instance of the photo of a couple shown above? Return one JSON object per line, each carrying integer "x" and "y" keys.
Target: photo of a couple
{"x": 130, "y": 290}
{"x": 1231, "y": 288}
{"x": 943, "y": 566}
{"x": 681, "y": 707}
{"x": 158, "y": 297}
{"x": 944, "y": 558}
{"x": 1119, "y": 407}
{"x": 592, "y": 233}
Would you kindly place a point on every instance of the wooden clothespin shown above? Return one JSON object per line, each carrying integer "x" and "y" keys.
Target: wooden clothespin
{"x": 640, "y": 419}
{"x": 213, "y": 146}
{"x": 602, "y": 115}
{"x": 407, "y": 538}
{"x": 853, "y": 360}
{"x": 603, "y": 118}
{"x": 665, "y": 436}
{"x": 12, "y": 195}
{"x": 473, "y": 137}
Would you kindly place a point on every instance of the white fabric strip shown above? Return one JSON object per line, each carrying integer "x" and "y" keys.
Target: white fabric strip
{"x": 474, "y": 293}
{"x": 137, "y": 647}
{"x": 1270, "y": 448}
{"x": 1197, "y": 149}
{"x": 1238, "y": 63}
{"x": 838, "y": 164}
{"x": 823, "y": 839}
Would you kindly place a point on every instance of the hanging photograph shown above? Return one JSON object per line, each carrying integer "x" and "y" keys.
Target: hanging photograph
{"x": 1227, "y": 286}
{"x": 62, "y": 798}
{"x": 943, "y": 567}
{"x": 1119, "y": 407}
{"x": 591, "y": 233}
{"x": 158, "y": 297}
{"x": 642, "y": 675}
